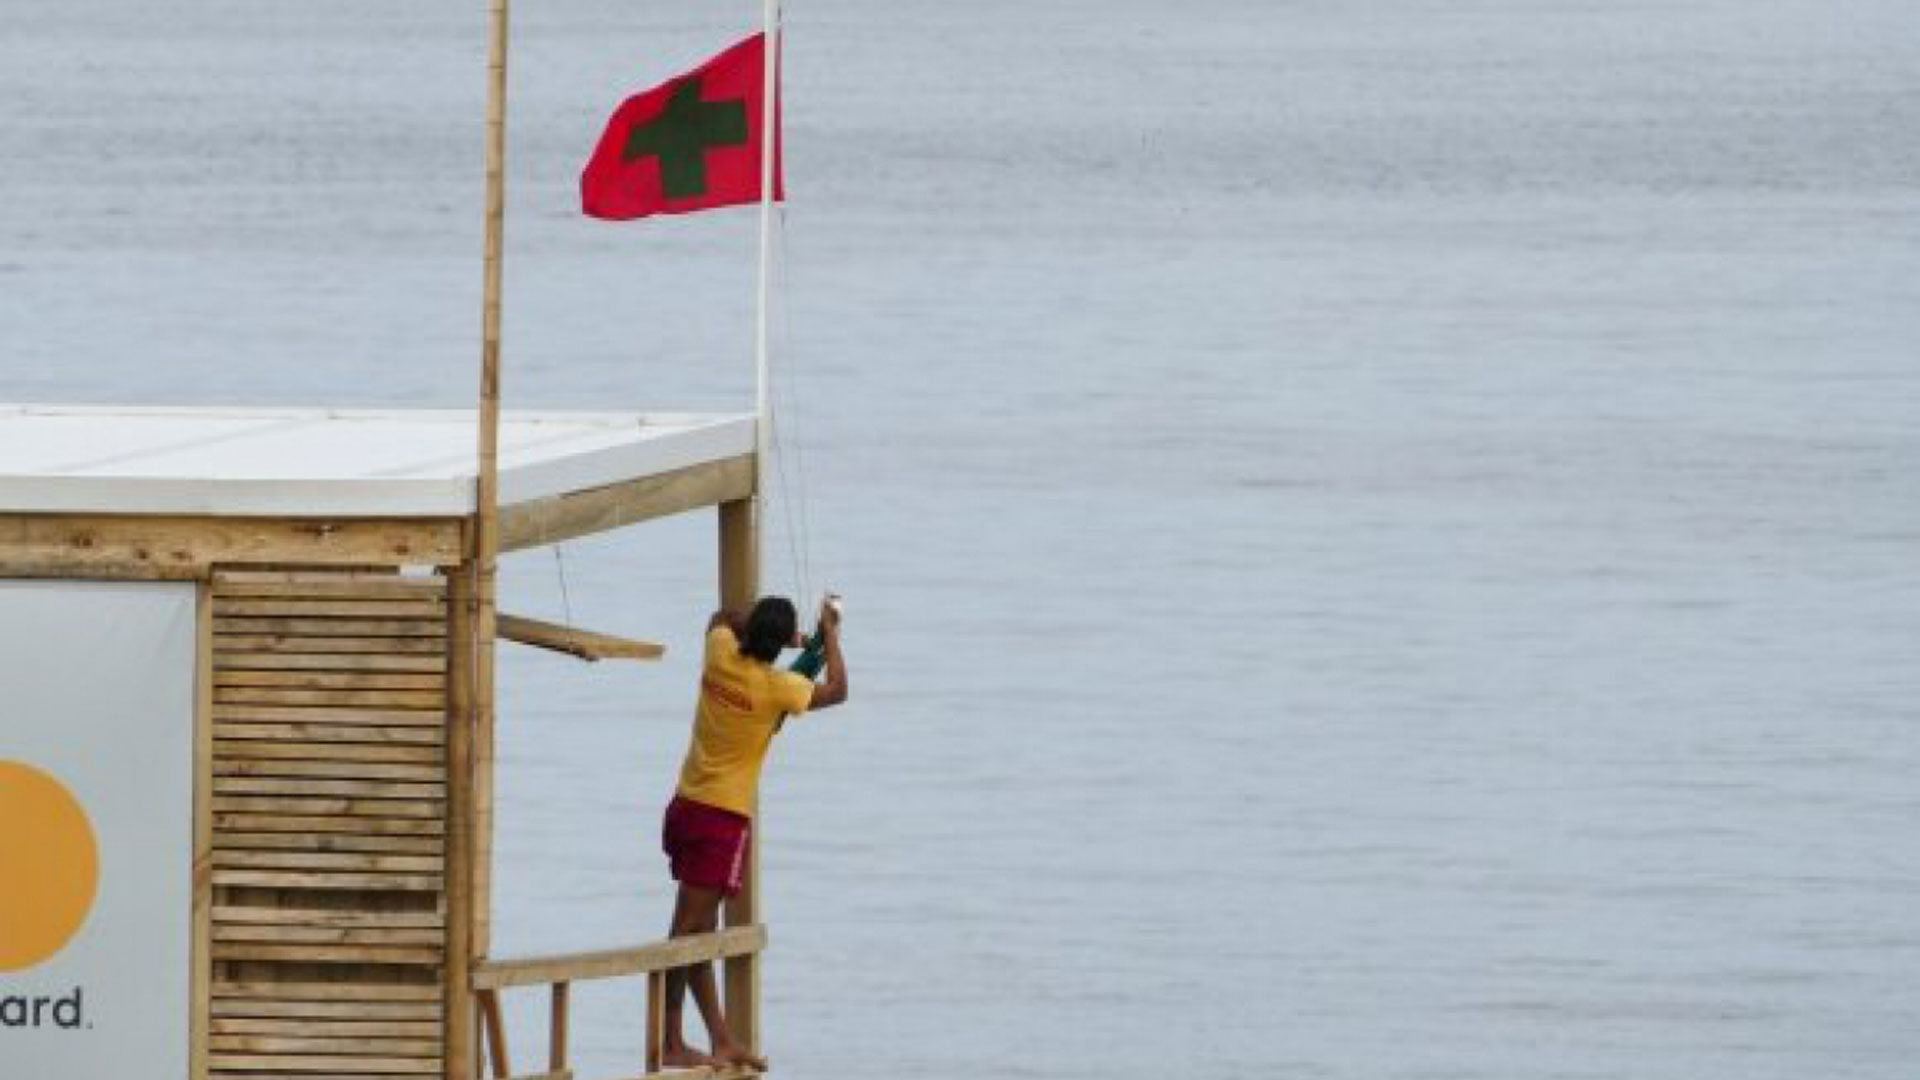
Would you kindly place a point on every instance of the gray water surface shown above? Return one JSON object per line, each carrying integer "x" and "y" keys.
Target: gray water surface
{"x": 1382, "y": 539}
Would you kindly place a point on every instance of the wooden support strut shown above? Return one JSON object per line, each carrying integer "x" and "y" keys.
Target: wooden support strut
{"x": 739, "y": 584}
{"x": 588, "y": 645}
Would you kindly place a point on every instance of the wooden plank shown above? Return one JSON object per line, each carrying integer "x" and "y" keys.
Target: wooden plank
{"x": 564, "y": 517}
{"x": 256, "y": 714}
{"x": 329, "y": 880}
{"x": 329, "y": 1029}
{"x": 331, "y": 680}
{"x": 323, "y": 806}
{"x": 372, "y": 699}
{"x": 369, "y": 577}
{"x": 159, "y": 546}
{"x": 347, "y": 607}
{"x": 224, "y": 766}
{"x": 232, "y": 661}
{"x": 369, "y": 827}
{"x": 295, "y": 1044}
{"x": 375, "y": 920}
{"x": 321, "y": 586}
{"x": 430, "y": 940}
{"x": 357, "y": 861}
{"x": 342, "y": 628}
{"x": 326, "y": 991}
{"x": 327, "y": 953}
{"x": 203, "y": 833}
{"x": 331, "y": 841}
{"x": 585, "y": 644}
{"x": 308, "y": 734}
{"x": 283, "y": 1074}
{"x": 304, "y": 1012}
{"x": 290, "y": 750}
{"x": 297, "y": 644}
{"x": 310, "y": 788}
{"x": 342, "y": 1065}
{"x": 616, "y": 963}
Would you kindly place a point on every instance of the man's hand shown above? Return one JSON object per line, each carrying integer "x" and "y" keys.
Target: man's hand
{"x": 834, "y": 690}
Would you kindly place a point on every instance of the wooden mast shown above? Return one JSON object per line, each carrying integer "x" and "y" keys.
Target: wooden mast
{"x": 477, "y": 841}
{"x": 487, "y": 511}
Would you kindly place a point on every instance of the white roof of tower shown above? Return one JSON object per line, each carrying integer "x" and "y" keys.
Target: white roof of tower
{"x": 330, "y": 462}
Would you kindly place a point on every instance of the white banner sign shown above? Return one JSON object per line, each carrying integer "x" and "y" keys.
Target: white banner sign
{"x": 96, "y": 829}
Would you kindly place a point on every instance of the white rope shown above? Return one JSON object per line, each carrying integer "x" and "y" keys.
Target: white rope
{"x": 771, "y": 438}
{"x": 566, "y": 600}
{"x": 803, "y": 560}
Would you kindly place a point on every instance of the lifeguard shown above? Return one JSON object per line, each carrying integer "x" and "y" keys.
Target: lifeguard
{"x": 708, "y": 827}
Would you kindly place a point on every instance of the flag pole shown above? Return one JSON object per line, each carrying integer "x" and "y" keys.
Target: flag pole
{"x": 486, "y": 530}
{"x": 769, "y": 128}
{"x": 743, "y": 908}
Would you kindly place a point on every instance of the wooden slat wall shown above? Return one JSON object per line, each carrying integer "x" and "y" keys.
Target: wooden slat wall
{"x": 329, "y": 926}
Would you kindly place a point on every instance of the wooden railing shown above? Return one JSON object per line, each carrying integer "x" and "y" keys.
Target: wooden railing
{"x": 560, "y": 972}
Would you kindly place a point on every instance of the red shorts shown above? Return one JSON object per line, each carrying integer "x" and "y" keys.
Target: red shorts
{"x": 706, "y": 846}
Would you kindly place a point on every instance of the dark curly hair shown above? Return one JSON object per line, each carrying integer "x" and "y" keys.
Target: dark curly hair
{"x": 770, "y": 628}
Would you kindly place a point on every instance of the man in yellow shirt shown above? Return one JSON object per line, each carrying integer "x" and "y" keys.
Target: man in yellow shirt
{"x": 708, "y": 828}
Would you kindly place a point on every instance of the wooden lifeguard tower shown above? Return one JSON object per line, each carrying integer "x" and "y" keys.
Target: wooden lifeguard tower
{"x": 255, "y": 648}
{"x": 339, "y": 735}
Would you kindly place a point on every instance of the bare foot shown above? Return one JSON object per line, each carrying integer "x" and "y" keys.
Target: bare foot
{"x": 685, "y": 1057}
{"x": 726, "y": 1054}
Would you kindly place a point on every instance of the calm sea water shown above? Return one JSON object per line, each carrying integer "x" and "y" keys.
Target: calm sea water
{"x": 1381, "y": 539}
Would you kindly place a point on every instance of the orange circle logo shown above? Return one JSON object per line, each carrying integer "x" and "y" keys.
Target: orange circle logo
{"x": 49, "y": 866}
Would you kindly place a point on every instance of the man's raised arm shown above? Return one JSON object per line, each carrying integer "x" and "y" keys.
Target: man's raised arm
{"x": 834, "y": 690}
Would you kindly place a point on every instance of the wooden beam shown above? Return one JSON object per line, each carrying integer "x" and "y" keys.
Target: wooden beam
{"x": 173, "y": 548}
{"x": 585, "y": 644}
{"x": 202, "y": 974}
{"x": 460, "y": 1035}
{"x": 618, "y": 963}
{"x": 581, "y": 513}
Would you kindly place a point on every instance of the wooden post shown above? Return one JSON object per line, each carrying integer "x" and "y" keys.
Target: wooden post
{"x": 486, "y": 533}
{"x": 656, "y": 1019}
{"x": 739, "y": 584}
{"x": 557, "y": 1029}
{"x": 461, "y": 1041}
{"x": 202, "y": 977}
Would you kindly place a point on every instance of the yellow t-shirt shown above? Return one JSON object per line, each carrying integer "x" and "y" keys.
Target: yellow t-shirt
{"x": 741, "y": 703}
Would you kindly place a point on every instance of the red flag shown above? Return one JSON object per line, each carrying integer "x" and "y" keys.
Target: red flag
{"x": 689, "y": 144}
